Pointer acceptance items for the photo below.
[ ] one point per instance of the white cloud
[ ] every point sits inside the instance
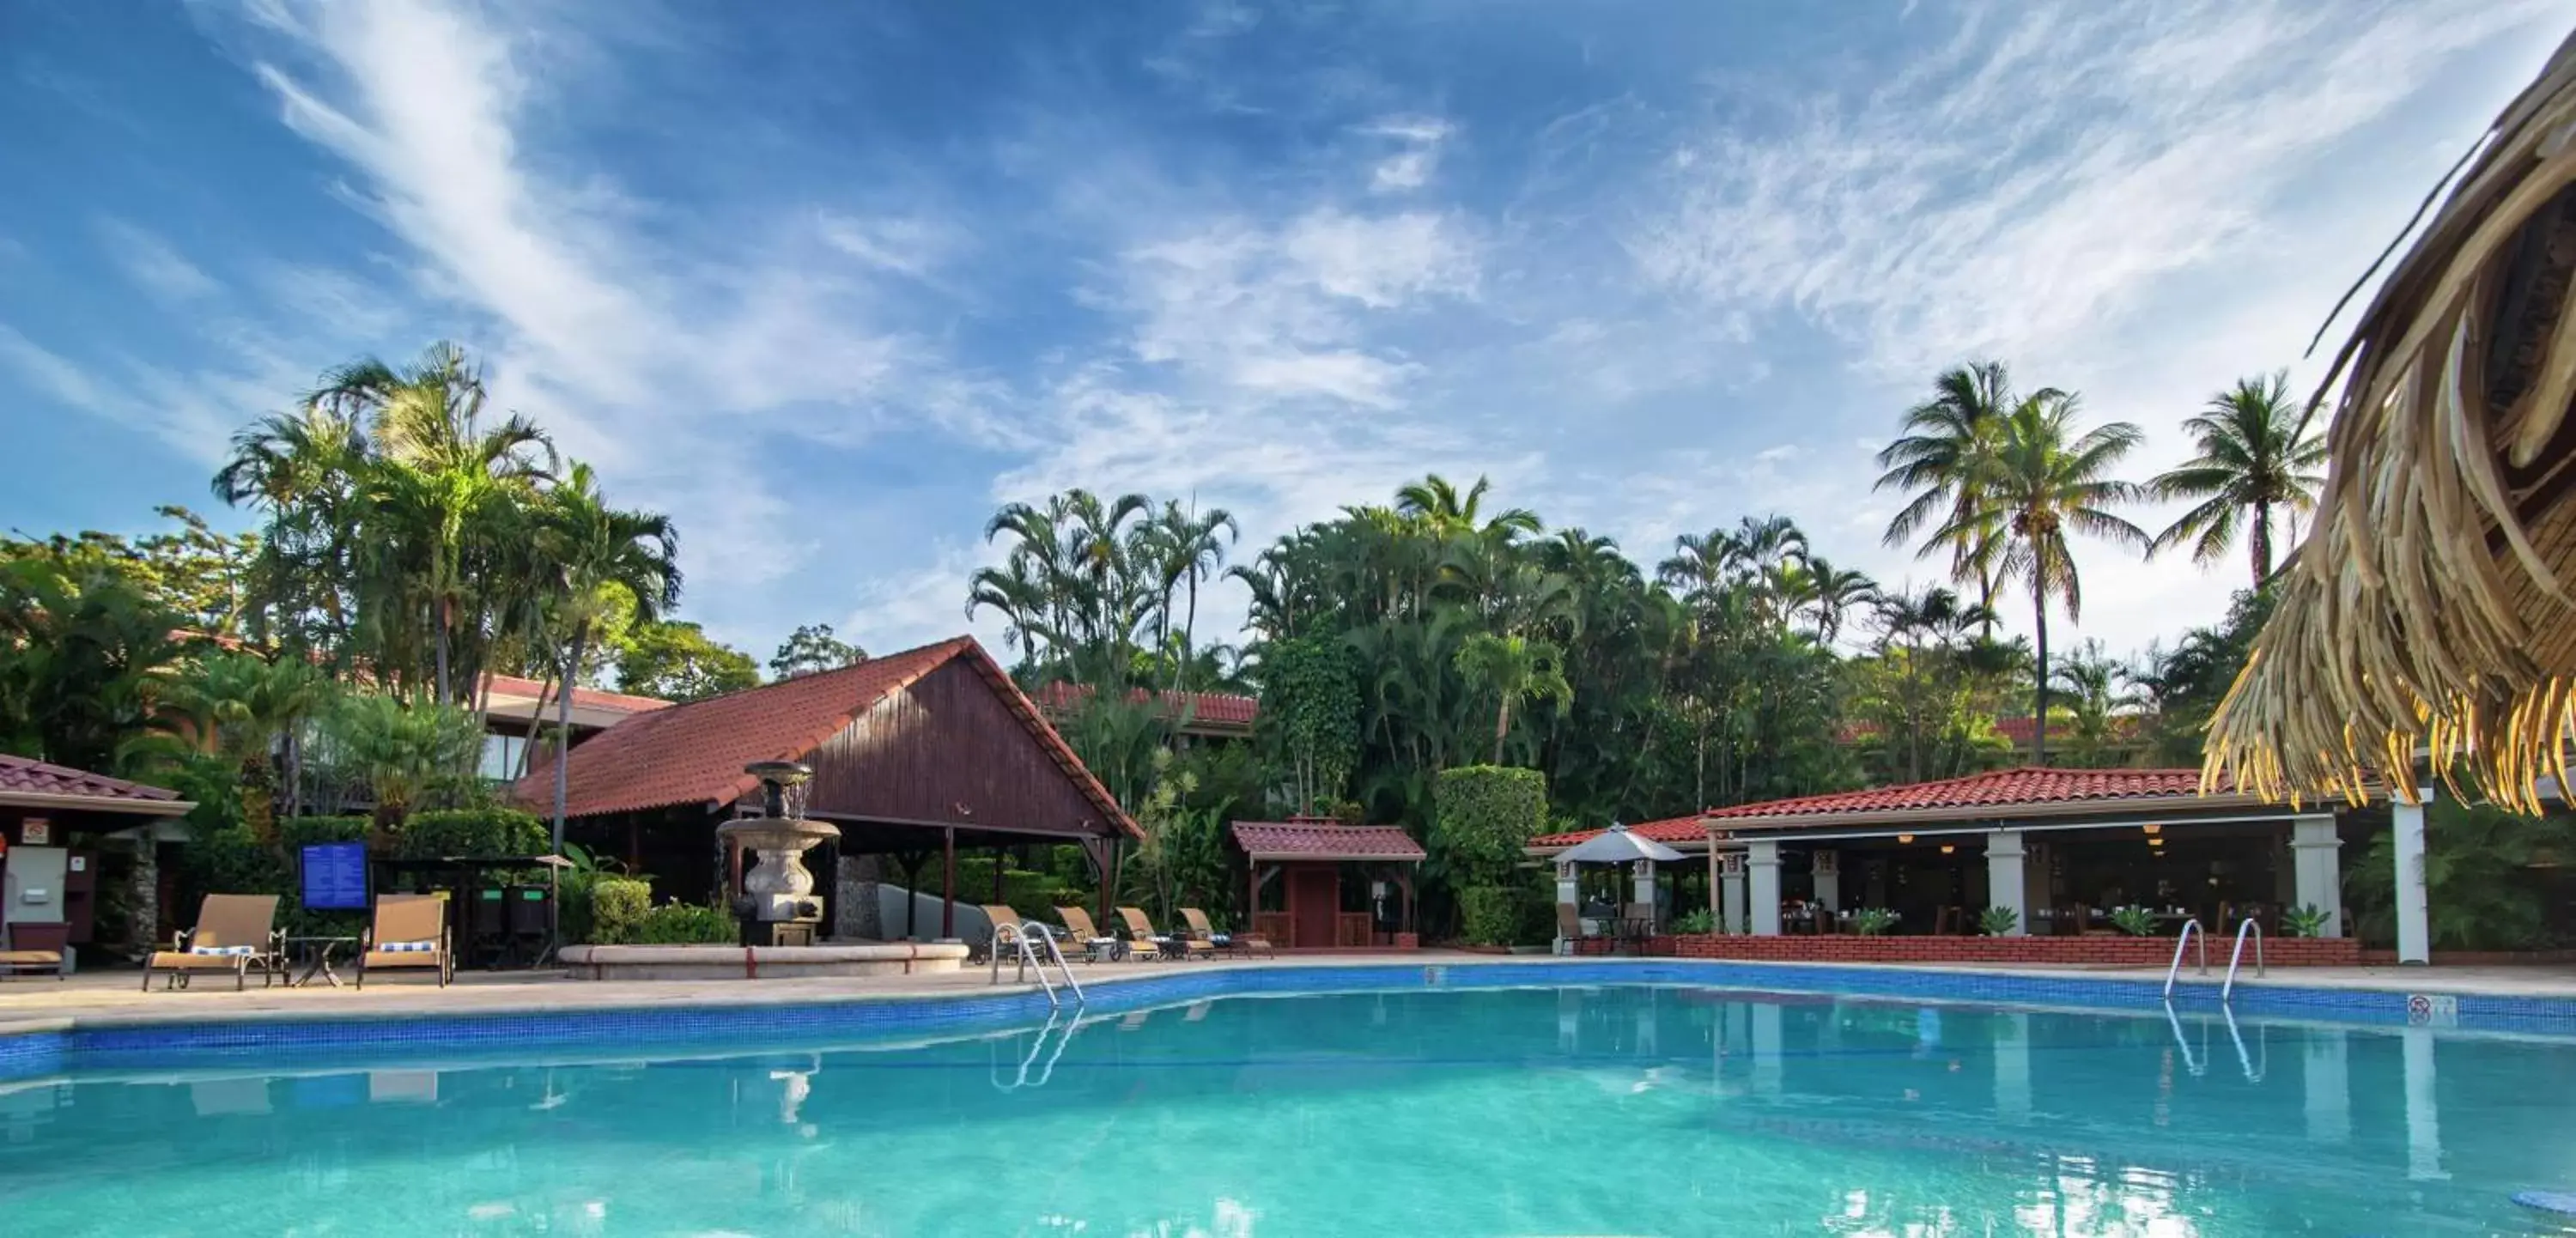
(1417, 140)
(900, 245)
(152, 264)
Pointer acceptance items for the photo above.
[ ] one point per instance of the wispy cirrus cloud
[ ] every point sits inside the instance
(152, 264)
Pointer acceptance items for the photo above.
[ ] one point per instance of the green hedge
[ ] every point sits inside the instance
(472, 832)
(617, 909)
(1027, 892)
(1486, 815)
(230, 860)
(687, 924)
(1490, 915)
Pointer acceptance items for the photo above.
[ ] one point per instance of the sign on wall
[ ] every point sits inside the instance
(36, 832)
(335, 877)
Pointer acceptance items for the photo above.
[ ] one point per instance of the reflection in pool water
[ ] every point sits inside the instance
(1627, 1111)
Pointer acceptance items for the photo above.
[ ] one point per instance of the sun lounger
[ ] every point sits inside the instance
(1080, 930)
(234, 933)
(1200, 930)
(410, 930)
(1141, 930)
(14, 960)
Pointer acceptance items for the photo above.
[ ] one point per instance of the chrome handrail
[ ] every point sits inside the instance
(2236, 956)
(2197, 1065)
(2253, 1073)
(1017, 935)
(2190, 927)
(1047, 935)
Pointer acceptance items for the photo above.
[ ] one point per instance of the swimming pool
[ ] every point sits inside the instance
(1613, 1110)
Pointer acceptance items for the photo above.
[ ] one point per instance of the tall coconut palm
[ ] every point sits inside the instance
(1834, 594)
(598, 552)
(1190, 552)
(1514, 669)
(2043, 480)
(1450, 513)
(2254, 459)
(1936, 460)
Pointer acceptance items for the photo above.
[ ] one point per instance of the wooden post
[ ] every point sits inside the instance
(1405, 880)
(948, 883)
(1109, 879)
(1001, 860)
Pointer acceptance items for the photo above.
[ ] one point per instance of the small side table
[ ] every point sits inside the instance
(317, 957)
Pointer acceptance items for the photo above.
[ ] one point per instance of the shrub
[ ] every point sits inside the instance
(1695, 923)
(1489, 915)
(2306, 920)
(473, 832)
(1486, 815)
(2135, 921)
(687, 924)
(1873, 921)
(617, 909)
(1998, 921)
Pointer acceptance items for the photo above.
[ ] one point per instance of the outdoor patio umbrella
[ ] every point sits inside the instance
(1617, 845)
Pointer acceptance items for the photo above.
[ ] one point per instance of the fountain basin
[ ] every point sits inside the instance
(760, 962)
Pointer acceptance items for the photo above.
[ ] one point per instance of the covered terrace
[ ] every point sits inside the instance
(915, 755)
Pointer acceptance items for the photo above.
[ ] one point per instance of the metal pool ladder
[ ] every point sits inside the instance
(2190, 929)
(2227, 991)
(1030, 959)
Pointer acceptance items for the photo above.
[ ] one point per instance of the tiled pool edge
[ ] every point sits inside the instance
(56, 1046)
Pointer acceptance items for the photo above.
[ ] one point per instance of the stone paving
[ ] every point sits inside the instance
(114, 997)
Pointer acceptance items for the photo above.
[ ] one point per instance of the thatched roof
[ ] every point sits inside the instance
(2431, 606)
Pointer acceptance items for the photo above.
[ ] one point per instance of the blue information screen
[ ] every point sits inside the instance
(335, 877)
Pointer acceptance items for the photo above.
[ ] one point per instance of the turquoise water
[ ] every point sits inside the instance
(1520, 1112)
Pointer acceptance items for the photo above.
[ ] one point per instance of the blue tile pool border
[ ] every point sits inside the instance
(68, 1046)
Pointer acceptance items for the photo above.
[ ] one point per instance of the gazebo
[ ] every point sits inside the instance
(1307, 858)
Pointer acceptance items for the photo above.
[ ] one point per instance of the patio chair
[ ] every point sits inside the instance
(1007, 927)
(1569, 925)
(234, 933)
(14, 960)
(410, 930)
(1239, 944)
(1079, 929)
(1140, 929)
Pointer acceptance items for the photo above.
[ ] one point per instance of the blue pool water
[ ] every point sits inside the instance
(1617, 1111)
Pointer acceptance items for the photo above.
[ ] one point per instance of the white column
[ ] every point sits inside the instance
(2318, 869)
(2414, 927)
(1763, 859)
(1568, 894)
(2423, 1111)
(1731, 893)
(1829, 880)
(2012, 1067)
(1644, 890)
(2004, 876)
(2328, 1080)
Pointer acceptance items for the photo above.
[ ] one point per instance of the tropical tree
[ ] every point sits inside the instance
(84, 662)
(2042, 480)
(1836, 593)
(601, 560)
(1939, 460)
(1184, 542)
(678, 661)
(2253, 459)
(1512, 669)
(810, 648)
(248, 710)
(2094, 687)
(407, 755)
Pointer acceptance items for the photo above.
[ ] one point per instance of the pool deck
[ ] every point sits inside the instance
(115, 997)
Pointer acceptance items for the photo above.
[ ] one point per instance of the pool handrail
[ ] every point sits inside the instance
(2190, 928)
(2227, 991)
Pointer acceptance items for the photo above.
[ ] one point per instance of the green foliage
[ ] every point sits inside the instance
(617, 909)
(1513, 669)
(471, 832)
(2480, 878)
(1489, 915)
(1310, 712)
(1696, 922)
(2134, 921)
(1998, 921)
(810, 648)
(678, 662)
(687, 924)
(407, 754)
(223, 856)
(82, 652)
(1181, 861)
(1873, 921)
(2305, 920)
(193, 572)
(1487, 815)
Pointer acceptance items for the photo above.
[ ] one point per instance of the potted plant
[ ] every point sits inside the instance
(1698, 923)
(2306, 920)
(1873, 921)
(1998, 921)
(2135, 921)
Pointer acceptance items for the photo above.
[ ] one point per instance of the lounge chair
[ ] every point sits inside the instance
(410, 930)
(1007, 924)
(1081, 931)
(1241, 944)
(1141, 930)
(14, 960)
(234, 933)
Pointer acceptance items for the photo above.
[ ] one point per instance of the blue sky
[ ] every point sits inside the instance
(829, 282)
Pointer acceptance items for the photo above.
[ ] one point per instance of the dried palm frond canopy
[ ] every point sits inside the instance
(2431, 606)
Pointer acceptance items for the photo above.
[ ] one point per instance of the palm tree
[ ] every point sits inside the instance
(1514, 669)
(2092, 684)
(2253, 458)
(1836, 593)
(598, 553)
(1187, 542)
(241, 705)
(1937, 458)
(1439, 505)
(2042, 480)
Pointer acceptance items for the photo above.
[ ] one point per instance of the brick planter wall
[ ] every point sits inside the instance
(2062, 951)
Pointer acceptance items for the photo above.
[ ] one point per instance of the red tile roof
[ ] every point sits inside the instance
(1216, 709)
(694, 752)
(582, 698)
(20, 776)
(1324, 840)
(1670, 830)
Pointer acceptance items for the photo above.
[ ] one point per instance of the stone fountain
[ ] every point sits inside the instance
(776, 903)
